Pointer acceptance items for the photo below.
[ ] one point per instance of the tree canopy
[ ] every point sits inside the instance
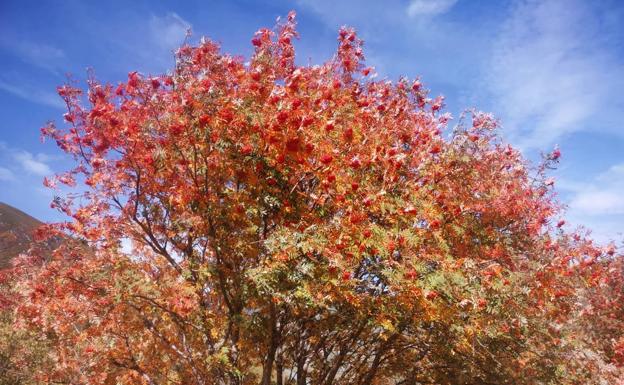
(264, 222)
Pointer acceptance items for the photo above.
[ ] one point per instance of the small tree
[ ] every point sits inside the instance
(301, 225)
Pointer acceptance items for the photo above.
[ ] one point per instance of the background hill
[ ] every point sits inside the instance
(16, 232)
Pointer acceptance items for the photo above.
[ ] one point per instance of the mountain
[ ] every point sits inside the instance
(16, 232)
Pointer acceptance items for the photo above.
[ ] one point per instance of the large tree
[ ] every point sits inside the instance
(263, 222)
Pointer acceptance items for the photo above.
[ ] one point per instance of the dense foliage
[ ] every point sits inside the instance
(265, 223)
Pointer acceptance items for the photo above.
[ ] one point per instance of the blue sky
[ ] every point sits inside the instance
(552, 71)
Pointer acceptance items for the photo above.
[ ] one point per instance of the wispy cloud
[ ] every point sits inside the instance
(601, 196)
(16, 161)
(429, 7)
(553, 71)
(34, 164)
(41, 55)
(21, 179)
(598, 203)
(413, 38)
(369, 15)
(168, 31)
(151, 49)
(6, 174)
(32, 93)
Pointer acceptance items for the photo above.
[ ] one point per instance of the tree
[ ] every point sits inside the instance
(301, 225)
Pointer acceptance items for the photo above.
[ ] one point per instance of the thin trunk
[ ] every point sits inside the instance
(301, 374)
(267, 367)
(279, 370)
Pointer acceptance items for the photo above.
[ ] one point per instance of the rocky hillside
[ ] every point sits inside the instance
(16, 232)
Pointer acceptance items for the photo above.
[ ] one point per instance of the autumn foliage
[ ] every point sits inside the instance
(263, 222)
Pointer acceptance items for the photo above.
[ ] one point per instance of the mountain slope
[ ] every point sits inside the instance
(16, 232)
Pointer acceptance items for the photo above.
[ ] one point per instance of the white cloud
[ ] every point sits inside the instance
(429, 7)
(601, 196)
(36, 52)
(552, 72)
(6, 174)
(151, 42)
(598, 203)
(168, 31)
(354, 12)
(41, 55)
(34, 164)
(32, 93)
(23, 166)
(443, 50)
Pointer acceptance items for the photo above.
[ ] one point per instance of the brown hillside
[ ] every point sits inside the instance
(16, 232)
